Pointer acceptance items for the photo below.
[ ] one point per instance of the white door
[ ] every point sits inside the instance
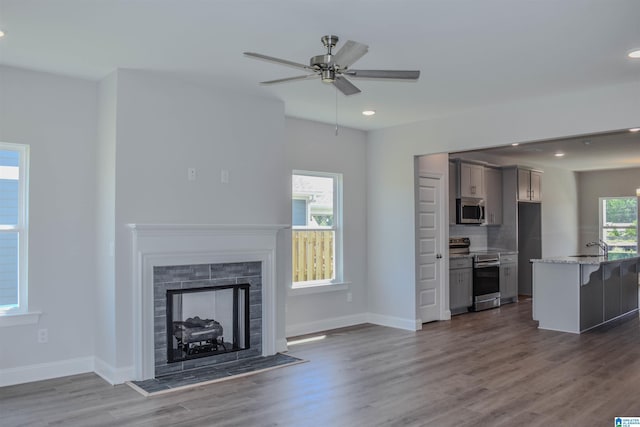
(429, 254)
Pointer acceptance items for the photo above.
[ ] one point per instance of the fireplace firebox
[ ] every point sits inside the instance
(206, 321)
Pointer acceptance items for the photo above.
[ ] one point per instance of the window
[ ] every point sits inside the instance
(13, 227)
(619, 223)
(317, 230)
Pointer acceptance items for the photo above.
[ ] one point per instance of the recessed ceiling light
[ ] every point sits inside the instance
(515, 144)
(634, 130)
(634, 54)
(2, 33)
(368, 113)
(559, 154)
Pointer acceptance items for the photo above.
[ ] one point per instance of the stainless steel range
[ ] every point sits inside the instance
(486, 281)
(486, 274)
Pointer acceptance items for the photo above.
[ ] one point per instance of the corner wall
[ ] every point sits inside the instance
(314, 146)
(57, 117)
(164, 127)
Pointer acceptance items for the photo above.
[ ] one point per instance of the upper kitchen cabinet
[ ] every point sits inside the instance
(493, 193)
(529, 185)
(471, 180)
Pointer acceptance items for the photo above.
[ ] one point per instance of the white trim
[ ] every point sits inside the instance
(338, 220)
(16, 319)
(394, 322)
(325, 324)
(175, 244)
(22, 227)
(318, 288)
(281, 345)
(112, 375)
(45, 371)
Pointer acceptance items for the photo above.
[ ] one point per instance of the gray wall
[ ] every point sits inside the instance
(314, 146)
(57, 117)
(595, 184)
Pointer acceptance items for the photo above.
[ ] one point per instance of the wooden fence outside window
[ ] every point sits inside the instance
(313, 255)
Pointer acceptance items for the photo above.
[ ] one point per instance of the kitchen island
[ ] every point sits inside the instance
(578, 293)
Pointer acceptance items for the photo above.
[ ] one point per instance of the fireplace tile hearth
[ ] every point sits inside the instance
(213, 373)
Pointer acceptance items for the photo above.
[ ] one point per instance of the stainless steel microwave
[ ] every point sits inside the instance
(470, 211)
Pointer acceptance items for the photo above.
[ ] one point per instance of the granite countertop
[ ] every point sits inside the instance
(588, 259)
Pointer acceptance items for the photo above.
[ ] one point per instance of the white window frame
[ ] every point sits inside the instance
(602, 225)
(23, 238)
(337, 227)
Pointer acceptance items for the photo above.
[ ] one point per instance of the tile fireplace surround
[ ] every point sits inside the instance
(175, 245)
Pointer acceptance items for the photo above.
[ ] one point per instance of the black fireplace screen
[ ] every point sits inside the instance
(207, 321)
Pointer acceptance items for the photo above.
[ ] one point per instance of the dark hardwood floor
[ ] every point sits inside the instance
(493, 368)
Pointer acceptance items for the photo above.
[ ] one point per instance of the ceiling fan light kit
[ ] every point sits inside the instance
(332, 68)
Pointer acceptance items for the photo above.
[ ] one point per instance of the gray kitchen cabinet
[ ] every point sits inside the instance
(611, 290)
(460, 284)
(508, 278)
(471, 180)
(529, 185)
(591, 298)
(493, 196)
(628, 286)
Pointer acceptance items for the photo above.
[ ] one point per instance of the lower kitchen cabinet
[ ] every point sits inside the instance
(508, 278)
(460, 284)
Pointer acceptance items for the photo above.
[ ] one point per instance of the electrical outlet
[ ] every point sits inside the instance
(43, 336)
(191, 174)
(349, 297)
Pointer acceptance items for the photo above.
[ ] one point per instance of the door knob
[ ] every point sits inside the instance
(438, 256)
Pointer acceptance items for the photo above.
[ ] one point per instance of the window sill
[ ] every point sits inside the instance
(17, 319)
(318, 288)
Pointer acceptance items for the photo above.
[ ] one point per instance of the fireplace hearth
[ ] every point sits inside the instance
(206, 321)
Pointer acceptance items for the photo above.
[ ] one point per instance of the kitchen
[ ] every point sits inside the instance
(549, 209)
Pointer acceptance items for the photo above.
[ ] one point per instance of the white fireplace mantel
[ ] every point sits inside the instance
(183, 244)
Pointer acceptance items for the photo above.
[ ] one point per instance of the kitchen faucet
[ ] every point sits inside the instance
(602, 245)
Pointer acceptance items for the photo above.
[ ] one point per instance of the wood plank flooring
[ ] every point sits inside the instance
(493, 368)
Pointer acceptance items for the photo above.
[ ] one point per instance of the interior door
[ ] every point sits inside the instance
(429, 252)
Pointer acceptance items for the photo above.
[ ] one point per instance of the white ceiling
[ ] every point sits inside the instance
(611, 150)
(471, 52)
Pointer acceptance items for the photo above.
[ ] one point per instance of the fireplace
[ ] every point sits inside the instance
(206, 314)
(170, 257)
(203, 322)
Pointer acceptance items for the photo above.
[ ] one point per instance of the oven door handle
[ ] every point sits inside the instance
(487, 264)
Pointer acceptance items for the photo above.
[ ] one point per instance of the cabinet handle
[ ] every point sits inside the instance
(532, 194)
(473, 189)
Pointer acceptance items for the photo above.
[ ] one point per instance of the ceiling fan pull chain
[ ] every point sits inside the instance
(336, 111)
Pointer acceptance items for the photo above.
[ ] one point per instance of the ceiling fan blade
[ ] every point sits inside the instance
(278, 60)
(349, 53)
(289, 79)
(345, 86)
(384, 74)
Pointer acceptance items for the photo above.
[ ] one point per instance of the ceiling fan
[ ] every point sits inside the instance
(333, 69)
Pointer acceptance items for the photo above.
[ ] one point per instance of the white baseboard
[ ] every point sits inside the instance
(281, 345)
(393, 322)
(113, 375)
(325, 324)
(46, 371)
